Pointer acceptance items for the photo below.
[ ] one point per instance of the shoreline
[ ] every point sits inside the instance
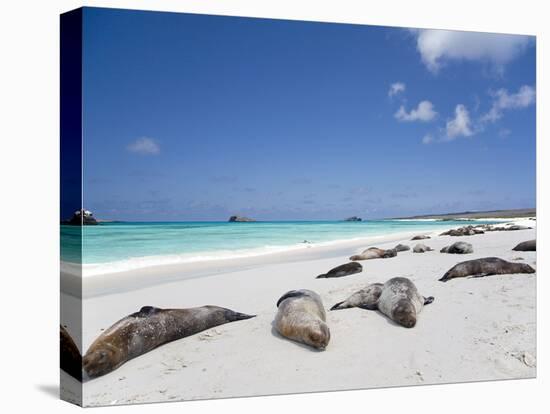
(79, 281)
(138, 263)
(101, 283)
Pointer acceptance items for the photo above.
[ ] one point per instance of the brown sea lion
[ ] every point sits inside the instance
(374, 253)
(458, 248)
(343, 270)
(366, 298)
(69, 355)
(486, 267)
(151, 327)
(401, 302)
(302, 318)
(526, 246)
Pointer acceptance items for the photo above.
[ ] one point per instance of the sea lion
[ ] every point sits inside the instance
(366, 298)
(402, 248)
(517, 227)
(421, 248)
(374, 253)
(302, 318)
(401, 302)
(151, 327)
(69, 355)
(526, 246)
(458, 248)
(464, 231)
(343, 270)
(421, 237)
(485, 267)
(509, 227)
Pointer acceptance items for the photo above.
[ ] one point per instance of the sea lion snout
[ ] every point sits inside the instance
(405, 314)
(319, 336)
(526, 268)
(97, 362)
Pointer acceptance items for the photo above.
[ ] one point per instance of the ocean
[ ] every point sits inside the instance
(131, 245)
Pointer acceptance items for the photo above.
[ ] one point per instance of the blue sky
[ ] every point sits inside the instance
(192, 117)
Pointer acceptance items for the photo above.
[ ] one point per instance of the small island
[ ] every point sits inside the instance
(81, 217)
(354, 218)
(239, 219)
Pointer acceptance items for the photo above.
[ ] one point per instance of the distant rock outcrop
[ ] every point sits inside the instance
(82, 218)
(354, 218)
(239, 219)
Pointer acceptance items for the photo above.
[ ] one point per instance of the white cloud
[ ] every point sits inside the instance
(502, 100)
(424, 112)
(144, 146)
(395, 88)
(460, 125)
(428, 139)
(438, 46)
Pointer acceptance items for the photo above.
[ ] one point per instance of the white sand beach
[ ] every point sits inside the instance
(477, 328)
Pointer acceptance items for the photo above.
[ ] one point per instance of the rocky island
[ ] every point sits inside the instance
(81, 218)
(239, 219)
(354, 218)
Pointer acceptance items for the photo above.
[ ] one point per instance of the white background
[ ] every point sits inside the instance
(29, 194)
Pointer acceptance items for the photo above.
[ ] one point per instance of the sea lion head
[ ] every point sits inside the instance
(98, 362)
(525, 268)
(404, 313)
(389, 253)
(318, 335)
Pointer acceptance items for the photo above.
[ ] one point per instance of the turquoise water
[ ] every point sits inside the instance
(169, 242)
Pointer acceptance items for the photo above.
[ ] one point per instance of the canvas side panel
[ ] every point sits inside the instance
(70, 202)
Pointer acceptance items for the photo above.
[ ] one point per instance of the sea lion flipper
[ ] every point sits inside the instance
(337, 306)
(428, 300)
(370, 306)
(233, 316)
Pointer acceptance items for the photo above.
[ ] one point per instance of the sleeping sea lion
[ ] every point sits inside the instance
(343, 270)
(421, 248)
(401, 302)
(374, 253)
(458, 248)
(486, 267)
(302, 318)
(526, 246)
(366, 298)
(402, 248)
(421, 237)
(151, 327)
